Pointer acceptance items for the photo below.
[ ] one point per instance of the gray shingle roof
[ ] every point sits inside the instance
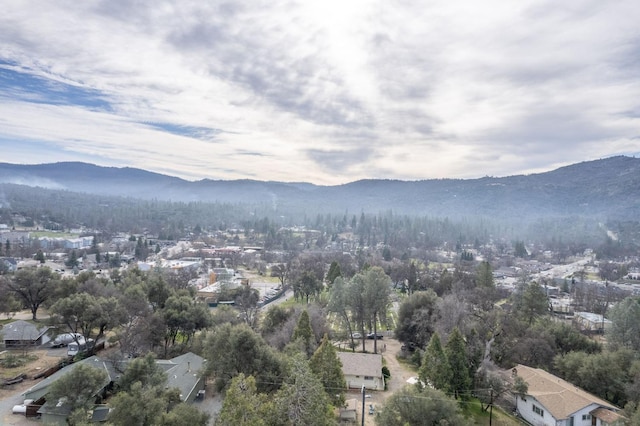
(359, 364)
(23, 330)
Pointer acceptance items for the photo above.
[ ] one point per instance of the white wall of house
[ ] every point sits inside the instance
(526, 410)
(539, 417)
(582, 417)
(356, 382)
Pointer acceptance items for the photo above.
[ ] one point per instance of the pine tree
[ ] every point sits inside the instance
(412, 280)
(72, 262)
(304, 332)
(435, 368)
(334, 272)
(484, 275)
(456, 352)
(302, 400)
(326, 365)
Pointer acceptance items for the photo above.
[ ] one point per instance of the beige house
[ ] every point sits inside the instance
(362, 370)
(551, 401)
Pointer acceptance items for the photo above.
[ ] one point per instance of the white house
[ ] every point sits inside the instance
(551, 401)
(362, 370)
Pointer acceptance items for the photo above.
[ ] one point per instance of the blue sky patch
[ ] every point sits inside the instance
(31, 88)
(196, 132)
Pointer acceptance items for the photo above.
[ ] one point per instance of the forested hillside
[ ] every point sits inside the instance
(602, 189)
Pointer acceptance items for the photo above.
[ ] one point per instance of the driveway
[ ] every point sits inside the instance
(8, 398)
(389, 348)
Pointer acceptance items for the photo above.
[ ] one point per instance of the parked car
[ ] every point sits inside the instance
(411, 347)
(377, 336)
(356, 336)
(65, 338)
(79, 347)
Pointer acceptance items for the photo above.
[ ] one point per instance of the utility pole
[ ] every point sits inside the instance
(363, 396)
(491, 407)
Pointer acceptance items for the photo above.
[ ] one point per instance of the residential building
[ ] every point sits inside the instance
(551, 401)
(184, 373)
(22, 333)
(590, 322)
(362, 370)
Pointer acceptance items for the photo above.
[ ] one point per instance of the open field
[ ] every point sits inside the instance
(52, 234)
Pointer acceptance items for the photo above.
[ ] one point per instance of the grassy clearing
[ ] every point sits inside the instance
(473, 410)
(51, 234)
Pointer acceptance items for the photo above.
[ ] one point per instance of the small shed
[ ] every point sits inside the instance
(21, 333)
(349, 413)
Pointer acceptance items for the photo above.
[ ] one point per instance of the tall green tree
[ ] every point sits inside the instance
(144, 371)
(377, 289)
(412, 280)
(414, 406)
(304, 333)
(86, 314)
(78, 389)
(307, 285)
(8, 302)
(456, 352)
(247, 301)
(358, 303)
(484, 275)
(238, 349)
(520, 249)
(243, 405)
(339, 303)
(417, 317)
(183, 315)
(625, 328)
(326, 365)
(142, 406)
(334, 272)
(435, 369)
(533, 303)
(184, 414)
(33, 287)
(72, 261)
(302, 399)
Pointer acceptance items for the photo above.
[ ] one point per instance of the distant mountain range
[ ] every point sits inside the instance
(607, 189)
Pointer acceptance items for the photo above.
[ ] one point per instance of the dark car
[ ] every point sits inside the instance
(374, 336)
(411, 347)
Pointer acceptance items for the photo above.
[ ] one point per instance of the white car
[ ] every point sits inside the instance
(65, 338)
(356, 336)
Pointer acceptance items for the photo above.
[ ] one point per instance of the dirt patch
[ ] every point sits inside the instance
(42, 360)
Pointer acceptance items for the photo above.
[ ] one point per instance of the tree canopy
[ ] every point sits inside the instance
(414, 406)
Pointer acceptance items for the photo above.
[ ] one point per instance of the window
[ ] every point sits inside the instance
(586, 417)
(539, 411)
(368, 378)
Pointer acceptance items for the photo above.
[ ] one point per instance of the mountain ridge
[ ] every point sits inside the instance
(608, 188)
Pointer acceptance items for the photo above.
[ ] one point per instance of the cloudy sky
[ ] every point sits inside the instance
(320, 91)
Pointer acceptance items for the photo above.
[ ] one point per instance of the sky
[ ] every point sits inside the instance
(327, 92)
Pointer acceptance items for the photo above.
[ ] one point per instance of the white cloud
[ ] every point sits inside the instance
(327, 92)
